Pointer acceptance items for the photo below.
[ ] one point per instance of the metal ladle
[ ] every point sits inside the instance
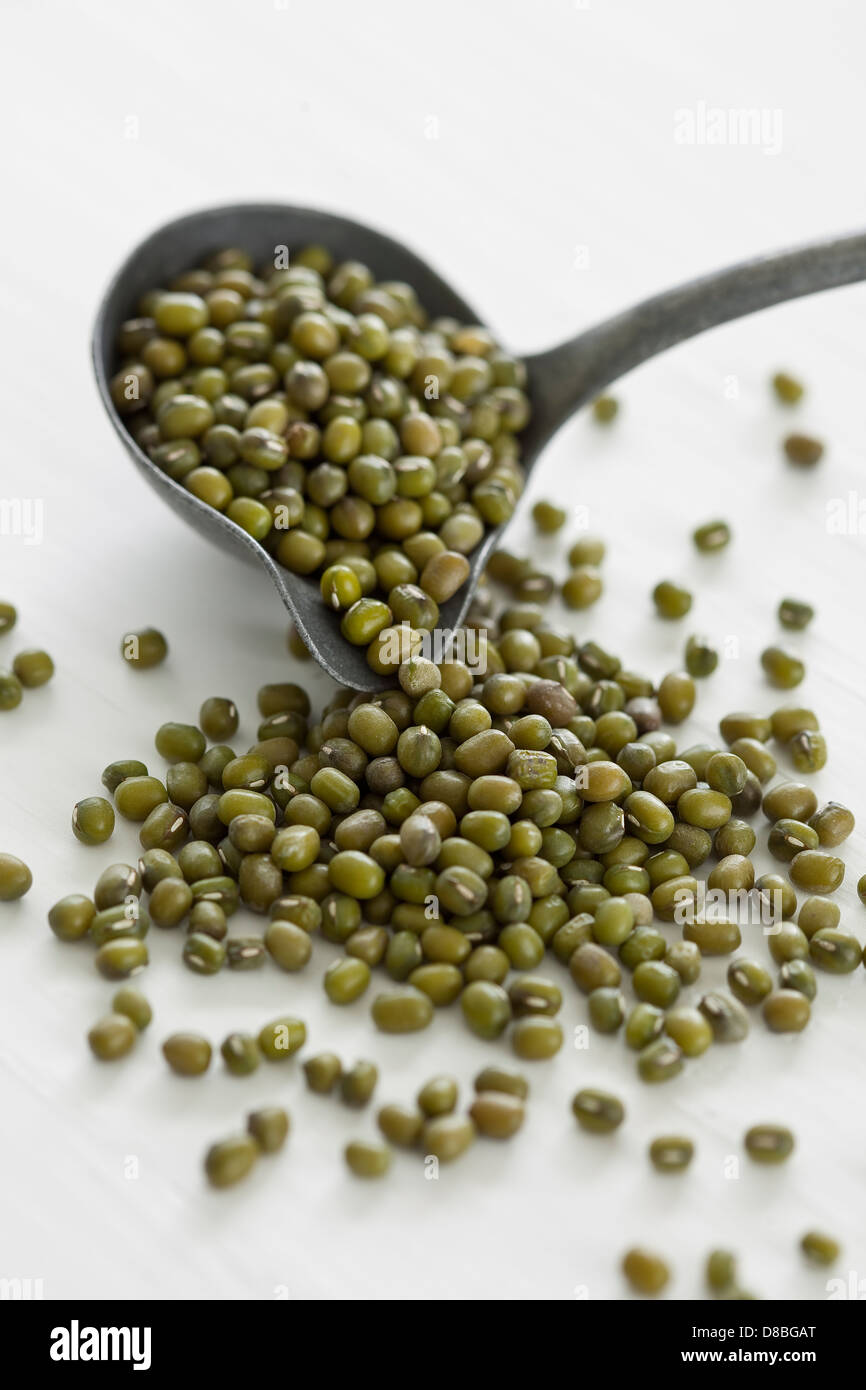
(560, 380)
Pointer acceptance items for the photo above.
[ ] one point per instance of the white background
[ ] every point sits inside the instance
(552, 192)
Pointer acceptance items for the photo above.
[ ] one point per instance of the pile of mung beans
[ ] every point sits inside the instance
(453, 833)
(324, 414)
(482, 836)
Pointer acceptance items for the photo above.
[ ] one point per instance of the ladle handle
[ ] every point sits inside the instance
(565, 377)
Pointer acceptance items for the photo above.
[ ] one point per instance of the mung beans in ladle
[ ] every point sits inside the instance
(325, 414)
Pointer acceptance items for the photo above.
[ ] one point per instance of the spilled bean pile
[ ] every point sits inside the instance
(483, 836)
(324, 414)
(455, 829)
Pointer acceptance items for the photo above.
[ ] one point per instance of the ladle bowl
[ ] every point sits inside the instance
(560, 379)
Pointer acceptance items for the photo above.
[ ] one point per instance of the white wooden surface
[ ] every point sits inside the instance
(530, 151)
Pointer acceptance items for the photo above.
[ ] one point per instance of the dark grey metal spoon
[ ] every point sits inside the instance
(561, 379)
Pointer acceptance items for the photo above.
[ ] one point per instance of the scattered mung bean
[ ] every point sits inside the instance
(768, 1143)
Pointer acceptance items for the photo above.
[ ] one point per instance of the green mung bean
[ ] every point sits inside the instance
(654, 982)
(721, 1270)
(789, 800)
(816, 871)
(288, 945)
(605, 409)
(245, 952)
(783, 668)
(166, 827)
(358, 1083)
(230, 1160)
(598, 1111)
(401, 1125)
(660, 1060)
(646, 1272)
(671, 1153)
(497, 1115)
(438, 1096)
(749, 981)
(671, 600)
(690, 1030)
(592, 968)
(808, 750)
(402, 1010)
(832, 824)
(92, 820)
(15, 878)
(713, 937)
(536, 1038)
(144, 649)
(685, 958)
(701, 659)
(803, 450)
(117, 772)
(323, 1072)
(70, 918)
(835, 951)
(819, 1248)
(135, 797)
(133, 1004)
(606, 1008)
(447, 1137)
(787, 388)
(346, 980)
(33, 668)
(643, 1025)
(188, 1054)
(203, 953)
(711, 536)
(127, 919)
(269, 1127)
(112, 1037)
(799, 975)
(498, 1078)
(366, 1159)
(121, 957)
(11, 690)
(170, 901)
(786, 1011)
(788, 942)
(794, 614)
(281, 1038)
(583, 587)
(547, 516)
(676, 696)
(726, 1016)
(768, 1143)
